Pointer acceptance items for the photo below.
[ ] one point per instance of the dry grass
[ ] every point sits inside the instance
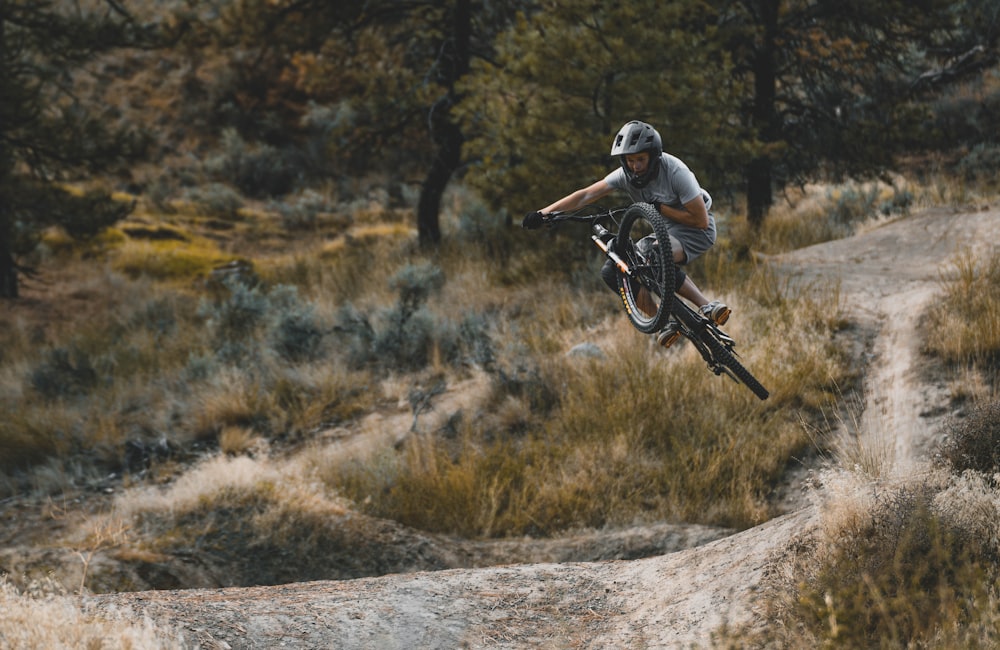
(169, 260)
(903, 565)
(219, 478)
(42, 618)
(964, 328)
(634, 434)
(262, 522)
(815, 213)
(108, 361)
(819, 212)
(200, 367)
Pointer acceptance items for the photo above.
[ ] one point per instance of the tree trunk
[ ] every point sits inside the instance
(446, 161)
(8, 271)
(759, 197)
(759, 171)
(447, 136)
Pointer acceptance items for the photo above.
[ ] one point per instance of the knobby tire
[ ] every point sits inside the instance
(723, 356)
(656, 274)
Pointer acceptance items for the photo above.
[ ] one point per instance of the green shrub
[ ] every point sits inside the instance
(406, 339)
(415, 284)
(303, 212)
(355, 335)
(258, 171)
(216, 200)
(475, 345)
(407, 335)
(246, 320)
(851, 204)
(981, 163)
(238, 313)
(64, 372)
(489, 232)
(298, 336)
(158, 316)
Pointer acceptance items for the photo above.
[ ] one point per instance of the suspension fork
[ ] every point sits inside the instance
(600, 233)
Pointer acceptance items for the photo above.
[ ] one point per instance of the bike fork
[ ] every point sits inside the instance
(603, 241)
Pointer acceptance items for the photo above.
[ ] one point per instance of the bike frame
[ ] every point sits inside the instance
(715, 346)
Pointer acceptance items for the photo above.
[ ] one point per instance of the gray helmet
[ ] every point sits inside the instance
(636, 137)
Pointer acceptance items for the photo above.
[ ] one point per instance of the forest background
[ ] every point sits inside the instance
(516, 99)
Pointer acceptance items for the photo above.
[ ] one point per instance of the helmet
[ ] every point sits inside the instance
(636, 137)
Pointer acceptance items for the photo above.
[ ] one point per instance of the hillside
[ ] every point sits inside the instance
(888, 274)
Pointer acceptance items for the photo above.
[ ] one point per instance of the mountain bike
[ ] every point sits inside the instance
(636, 239)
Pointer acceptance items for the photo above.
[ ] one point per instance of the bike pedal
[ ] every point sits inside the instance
(667, 338)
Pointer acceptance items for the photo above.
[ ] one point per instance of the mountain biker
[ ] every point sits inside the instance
(648, 174)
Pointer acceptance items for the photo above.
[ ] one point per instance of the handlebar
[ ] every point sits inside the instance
(587, 214)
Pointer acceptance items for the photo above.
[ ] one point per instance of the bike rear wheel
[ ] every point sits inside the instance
(647, 292)
(733, 367)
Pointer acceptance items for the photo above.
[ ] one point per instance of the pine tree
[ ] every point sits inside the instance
(542, 114)
(830, 82)
(381, 76)
(46, 132)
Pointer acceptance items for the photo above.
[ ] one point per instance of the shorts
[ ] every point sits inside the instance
(694, 241)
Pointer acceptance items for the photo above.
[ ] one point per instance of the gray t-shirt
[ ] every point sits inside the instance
(674, 185)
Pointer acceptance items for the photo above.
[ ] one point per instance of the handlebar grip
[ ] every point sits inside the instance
(533, 220)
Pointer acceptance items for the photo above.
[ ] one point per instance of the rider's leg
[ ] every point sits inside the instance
(689, 290)
(609, 273)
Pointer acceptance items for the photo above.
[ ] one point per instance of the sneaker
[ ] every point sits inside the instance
(669, 334)
(716, 312)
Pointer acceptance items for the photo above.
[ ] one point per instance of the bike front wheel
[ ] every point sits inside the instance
(647, 289)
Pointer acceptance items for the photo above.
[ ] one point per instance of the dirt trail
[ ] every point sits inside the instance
(888, 277)
(887, 274)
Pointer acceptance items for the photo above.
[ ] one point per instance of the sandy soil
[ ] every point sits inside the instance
(887, 274)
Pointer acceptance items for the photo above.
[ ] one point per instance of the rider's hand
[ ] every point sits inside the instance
(533, 220)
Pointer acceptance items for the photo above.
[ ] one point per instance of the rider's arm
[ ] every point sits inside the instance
(694, 213)
(583, 197)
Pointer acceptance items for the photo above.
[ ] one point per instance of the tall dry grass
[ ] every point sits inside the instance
(42, 618)
(633, 434)
(964, 327)
(904, 564)
(148, 364)
(819, 212)
(304, 348)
